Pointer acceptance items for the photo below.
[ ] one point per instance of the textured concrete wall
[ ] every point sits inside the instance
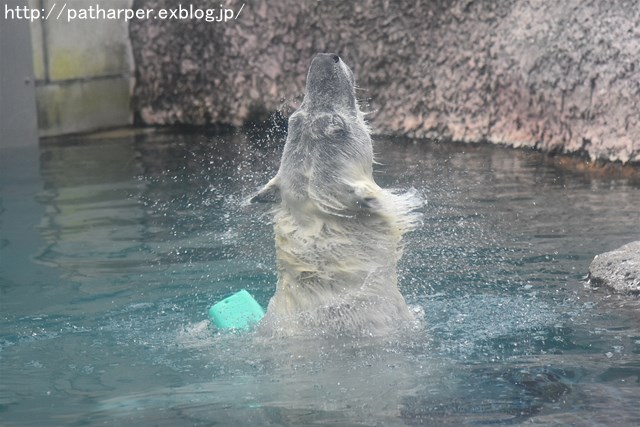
(558, 76)
(83, 69)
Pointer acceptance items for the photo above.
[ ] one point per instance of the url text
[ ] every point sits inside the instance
(63, 12)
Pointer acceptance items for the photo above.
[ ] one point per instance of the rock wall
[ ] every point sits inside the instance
(556, 76)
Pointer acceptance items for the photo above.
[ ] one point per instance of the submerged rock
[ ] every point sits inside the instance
(618, 269)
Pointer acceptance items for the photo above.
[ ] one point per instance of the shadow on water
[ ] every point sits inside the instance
(137, 235)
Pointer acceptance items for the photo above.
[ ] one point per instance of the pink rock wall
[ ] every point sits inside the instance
(563, 77)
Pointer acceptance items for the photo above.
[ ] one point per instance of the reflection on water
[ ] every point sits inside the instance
(136, 236)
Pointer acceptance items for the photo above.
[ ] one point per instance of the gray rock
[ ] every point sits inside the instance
(562, 77)
(618, 269)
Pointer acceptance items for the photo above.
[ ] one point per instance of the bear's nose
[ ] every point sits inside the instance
(335, 58)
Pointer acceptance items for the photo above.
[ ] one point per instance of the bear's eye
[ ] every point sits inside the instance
(336, 58)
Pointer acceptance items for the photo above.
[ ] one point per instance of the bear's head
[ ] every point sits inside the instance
(330, 85)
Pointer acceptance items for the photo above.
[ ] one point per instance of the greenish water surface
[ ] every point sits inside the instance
(112, 250)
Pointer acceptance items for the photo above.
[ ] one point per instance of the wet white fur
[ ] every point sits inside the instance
(338, 234)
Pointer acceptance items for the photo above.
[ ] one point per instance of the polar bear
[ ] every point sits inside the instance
(338, 234)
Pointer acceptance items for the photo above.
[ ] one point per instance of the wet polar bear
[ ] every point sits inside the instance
(338, 234)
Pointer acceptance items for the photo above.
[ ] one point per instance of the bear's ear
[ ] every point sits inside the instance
(337, 126)
(270, 193)
(329, 125)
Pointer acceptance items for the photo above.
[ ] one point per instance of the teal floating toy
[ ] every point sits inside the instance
(239, 311)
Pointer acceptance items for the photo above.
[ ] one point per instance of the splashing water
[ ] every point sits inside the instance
(129, 240)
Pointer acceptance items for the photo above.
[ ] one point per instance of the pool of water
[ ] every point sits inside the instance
(113, 249)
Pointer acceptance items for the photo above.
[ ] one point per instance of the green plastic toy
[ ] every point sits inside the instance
(239, 311)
